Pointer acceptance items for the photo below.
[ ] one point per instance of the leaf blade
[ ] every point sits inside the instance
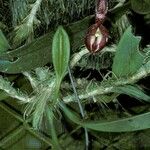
(128, 124)
(127, 59)
(4, 45)
(60, 52)
(133, 91)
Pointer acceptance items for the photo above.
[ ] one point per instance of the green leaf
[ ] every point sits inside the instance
(69, 113)
(135, 123)
(22, 32)
(129, 124)
(128, 59)
(4, 45)
(38, 53)
(60, 52)
(133, 91)
(141, 6)
(147, 18)
(50, 117)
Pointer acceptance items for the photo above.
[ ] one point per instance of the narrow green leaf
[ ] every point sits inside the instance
(133, 91)
(135, 123)
(50, 117)
(129, 124)
(60, 52)
(141, 6)
(4, 46)
(69, 113)
(128, 59)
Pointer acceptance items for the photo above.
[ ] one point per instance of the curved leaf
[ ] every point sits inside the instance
(141, 6)
(133, 91)
(135, 123)
(127, 59)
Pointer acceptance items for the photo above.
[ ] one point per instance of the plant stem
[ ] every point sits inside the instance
(12, 92)
(80, 107)
(144, 71)
(33, 12)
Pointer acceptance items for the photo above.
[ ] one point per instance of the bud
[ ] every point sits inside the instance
(101, 10)
(96, 38)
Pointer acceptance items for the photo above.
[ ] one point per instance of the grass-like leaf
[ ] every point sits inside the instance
(50, 117)
(129, 124)
(135, 123)
(133, 91)
(128, 59)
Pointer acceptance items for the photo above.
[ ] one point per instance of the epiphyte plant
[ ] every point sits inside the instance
(97, 35)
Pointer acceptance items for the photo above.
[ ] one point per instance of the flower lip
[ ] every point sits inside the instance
(96, 38)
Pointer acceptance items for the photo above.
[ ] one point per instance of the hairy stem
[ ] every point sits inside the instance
(33, 12)
(143, 72)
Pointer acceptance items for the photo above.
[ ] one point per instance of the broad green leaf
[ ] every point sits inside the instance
(4, 46)
(141, 6)
(38, 53)
(135, 123)
(60, 52)
(127, 59)
(133, 91)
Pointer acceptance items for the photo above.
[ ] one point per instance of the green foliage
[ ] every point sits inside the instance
(22, 33)
(19, 9)
(38, 52)
(99, 79)
(141, 7)
(133, 91)
(123, 125)
(60, 58)
(128, 124)
(4, 45)
(60, 53)
(51, 118)
(128, 59)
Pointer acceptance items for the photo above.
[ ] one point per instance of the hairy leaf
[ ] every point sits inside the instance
(128, 59)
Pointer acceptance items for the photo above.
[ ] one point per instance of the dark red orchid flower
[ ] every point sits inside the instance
(96, 38)
(97, 35)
